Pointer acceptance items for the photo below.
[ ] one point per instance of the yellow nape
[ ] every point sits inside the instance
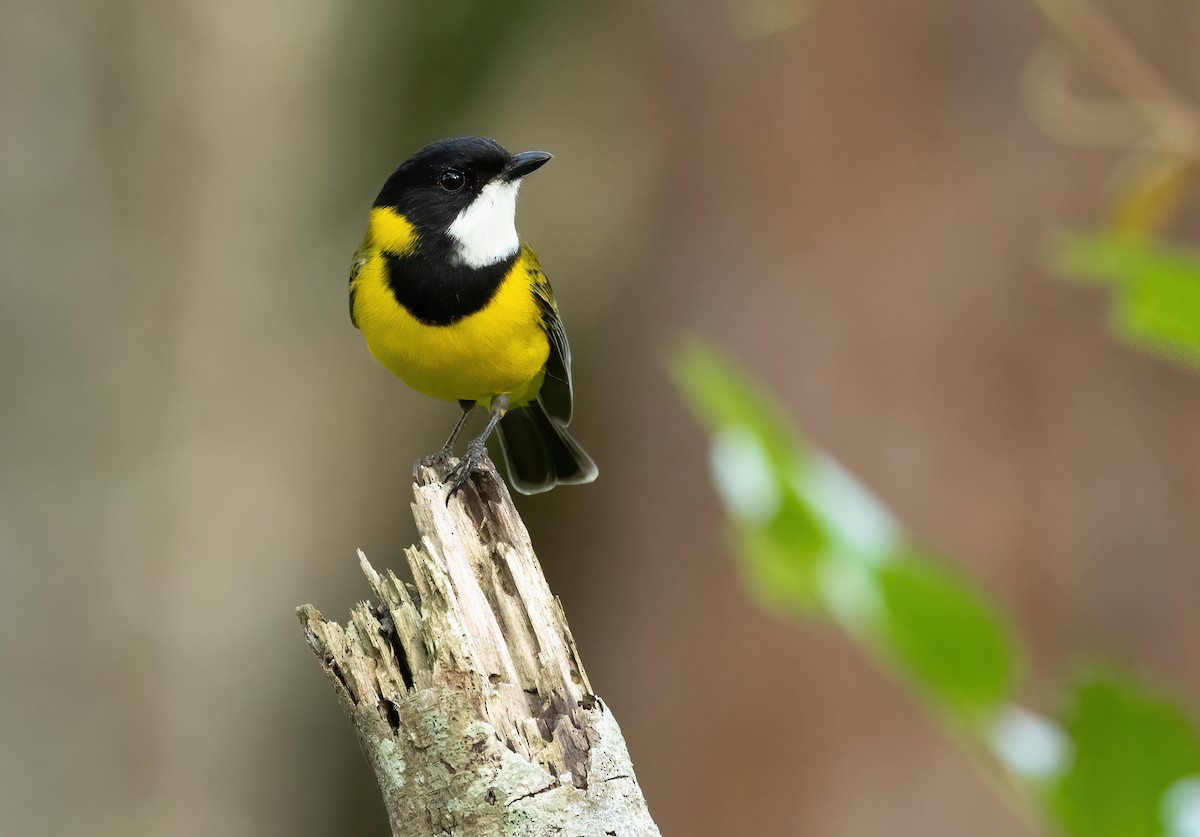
(391, 232)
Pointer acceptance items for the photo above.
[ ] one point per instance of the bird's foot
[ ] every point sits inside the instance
(471, 460)
(435, 462)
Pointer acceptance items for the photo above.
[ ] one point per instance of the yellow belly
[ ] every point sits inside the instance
(501, 349)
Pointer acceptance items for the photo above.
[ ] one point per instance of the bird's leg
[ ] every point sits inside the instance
(439, 458)
(477, 447)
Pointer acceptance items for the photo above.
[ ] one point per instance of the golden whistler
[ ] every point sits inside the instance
(454, 304)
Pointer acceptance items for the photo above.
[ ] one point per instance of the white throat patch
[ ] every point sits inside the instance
(486, 231)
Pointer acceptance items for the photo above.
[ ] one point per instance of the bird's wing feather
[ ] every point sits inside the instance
(556, 388)
(356, 265)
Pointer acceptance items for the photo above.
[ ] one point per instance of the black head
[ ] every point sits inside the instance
(436, 185)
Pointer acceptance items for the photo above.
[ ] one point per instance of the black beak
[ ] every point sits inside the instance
(519, 165)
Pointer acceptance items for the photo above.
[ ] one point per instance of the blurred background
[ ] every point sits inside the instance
(852, 198)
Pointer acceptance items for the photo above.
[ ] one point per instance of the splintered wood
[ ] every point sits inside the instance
(467, 691)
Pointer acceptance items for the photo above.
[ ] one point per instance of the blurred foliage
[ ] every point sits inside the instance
(1130, 749)
(429, 67)
(1156, 290)
(445, 52)
(1149, 189)
(946, 637)
(1157, 287)
(812, 539)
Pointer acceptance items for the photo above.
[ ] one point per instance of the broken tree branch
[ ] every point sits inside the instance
(467, 691)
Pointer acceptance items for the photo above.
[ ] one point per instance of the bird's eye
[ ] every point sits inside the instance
(452, 180)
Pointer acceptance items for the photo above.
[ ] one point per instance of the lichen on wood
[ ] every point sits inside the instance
(466, 688)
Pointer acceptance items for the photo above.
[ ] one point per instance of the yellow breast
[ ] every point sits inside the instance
(500, 349)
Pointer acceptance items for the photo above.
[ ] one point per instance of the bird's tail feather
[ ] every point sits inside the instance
(540, 453)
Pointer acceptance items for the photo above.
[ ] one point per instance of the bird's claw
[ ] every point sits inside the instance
(434, 462)
(472, 459)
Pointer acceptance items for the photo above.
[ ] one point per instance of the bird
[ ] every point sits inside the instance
(452, 302)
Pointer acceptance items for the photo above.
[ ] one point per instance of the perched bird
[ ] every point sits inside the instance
(454, 304)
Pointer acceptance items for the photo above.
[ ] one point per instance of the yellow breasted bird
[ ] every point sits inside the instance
(454, 304)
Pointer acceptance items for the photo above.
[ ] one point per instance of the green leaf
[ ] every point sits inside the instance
(1157, 308)
(946, 637)
(781, 558)
(723, 398)
(1130, 747)
(1160, 314)
(754, 455)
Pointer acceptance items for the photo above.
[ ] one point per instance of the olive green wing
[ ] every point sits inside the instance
(356, 265)
(556, 387)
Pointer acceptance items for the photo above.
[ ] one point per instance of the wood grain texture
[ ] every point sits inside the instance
(466, 688)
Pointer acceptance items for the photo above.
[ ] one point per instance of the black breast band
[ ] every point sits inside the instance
(440, 294)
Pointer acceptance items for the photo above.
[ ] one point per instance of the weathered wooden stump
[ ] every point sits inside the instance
(467, 691)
